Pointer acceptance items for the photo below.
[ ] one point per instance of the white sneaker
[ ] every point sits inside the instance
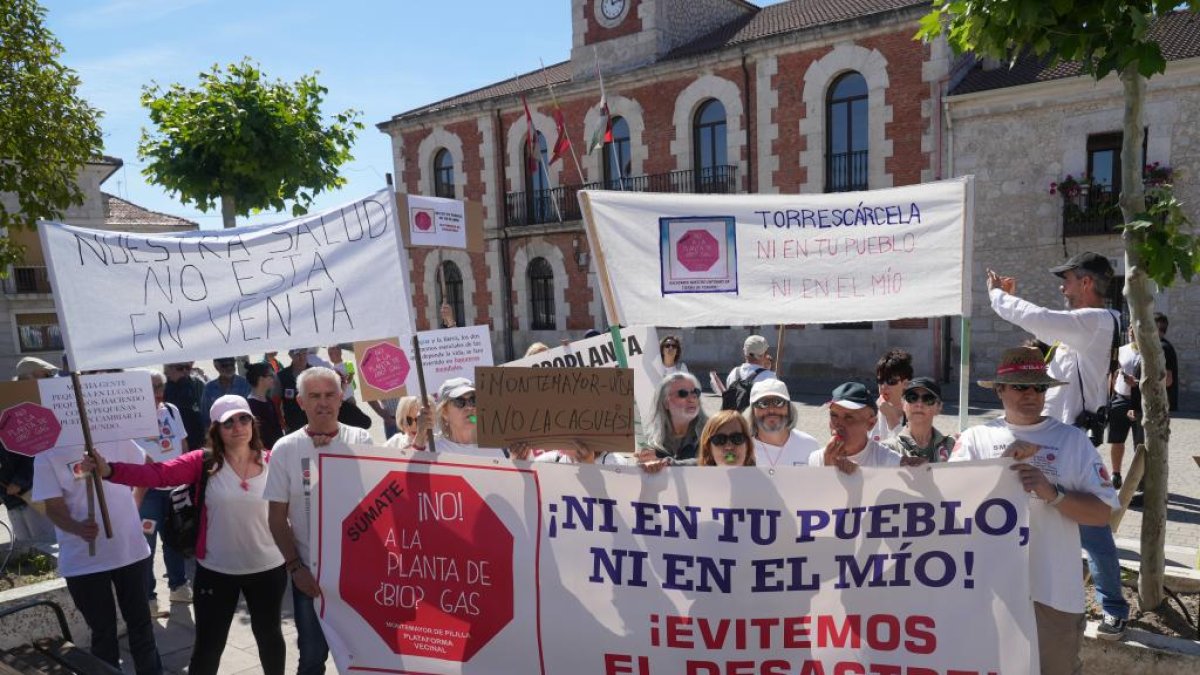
(182, 594)
(157, 611)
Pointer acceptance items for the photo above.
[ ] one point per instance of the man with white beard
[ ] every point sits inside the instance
(773, 421)
(673, 434)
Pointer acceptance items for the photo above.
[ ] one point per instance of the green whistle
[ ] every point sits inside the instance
(472, 418)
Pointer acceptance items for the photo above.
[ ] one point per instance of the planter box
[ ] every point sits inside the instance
(1140, 652)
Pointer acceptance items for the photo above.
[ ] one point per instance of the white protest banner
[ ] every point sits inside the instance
(436, 222)
(386, 367)
(641, 351)
(750, 259)
(128, 299)
(447, 564)
(36, 415)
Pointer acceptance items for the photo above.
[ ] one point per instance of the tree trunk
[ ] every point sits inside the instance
(1139, 291)
(228, 211)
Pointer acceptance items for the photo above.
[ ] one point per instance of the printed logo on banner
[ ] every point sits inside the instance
(422, 219)
(28, 428)
(698, 254)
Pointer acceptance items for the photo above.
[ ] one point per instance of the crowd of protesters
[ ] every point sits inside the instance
(248, 444)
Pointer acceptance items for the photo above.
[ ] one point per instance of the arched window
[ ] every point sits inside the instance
(537, 184)
(541, 295)
(708, 148)
(846, 134)
(616, 155)
(443, 174)
(452, 282)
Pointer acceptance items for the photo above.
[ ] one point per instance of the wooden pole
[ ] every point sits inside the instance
(779, 352)
(95, 482)
(416, 347)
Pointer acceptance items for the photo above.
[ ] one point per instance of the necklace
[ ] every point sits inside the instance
(767, 453)
(243, 476)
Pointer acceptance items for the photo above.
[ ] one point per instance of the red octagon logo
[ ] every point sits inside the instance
(697, 250)
(428, 564)
(423, 221)
(28, 428)
(384, 366)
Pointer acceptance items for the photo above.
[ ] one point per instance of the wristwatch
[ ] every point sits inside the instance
(1061, 495)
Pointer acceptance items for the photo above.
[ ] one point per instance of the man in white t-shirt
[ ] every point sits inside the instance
(119, 563)
(1068, 486)
(757, 362)
(773, 424)
(851, 417)
(290, 492)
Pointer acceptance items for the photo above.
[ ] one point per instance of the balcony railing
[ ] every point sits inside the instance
(846, 171)
(532, 208)
(1093, 209)
(27, 280)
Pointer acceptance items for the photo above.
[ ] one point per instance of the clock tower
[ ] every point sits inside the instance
(625, 34)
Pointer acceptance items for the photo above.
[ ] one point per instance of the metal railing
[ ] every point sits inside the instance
(1091, 209)
(846, 171)
(27, 280)
(532, 208)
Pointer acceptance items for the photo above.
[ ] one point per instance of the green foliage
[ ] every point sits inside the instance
(237, 135)
(1164, 238)
(1105, 36)
(47, 133)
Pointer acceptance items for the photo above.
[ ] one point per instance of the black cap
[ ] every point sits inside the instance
(1092, 262)
(853, 395)
(924, 383)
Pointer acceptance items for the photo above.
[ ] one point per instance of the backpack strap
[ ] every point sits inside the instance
(752, 376)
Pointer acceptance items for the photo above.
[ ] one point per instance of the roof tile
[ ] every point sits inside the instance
(125, 215)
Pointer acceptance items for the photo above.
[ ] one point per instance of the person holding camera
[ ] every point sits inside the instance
(1082, 341)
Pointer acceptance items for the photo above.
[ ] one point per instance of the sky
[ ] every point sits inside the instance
(382, 58)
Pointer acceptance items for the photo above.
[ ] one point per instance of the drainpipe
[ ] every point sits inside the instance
(501, 214)
(947, 157)
(750, 175)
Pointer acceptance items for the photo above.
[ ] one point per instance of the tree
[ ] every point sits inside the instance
(252, 144)
(1106, 36)
(47, 133)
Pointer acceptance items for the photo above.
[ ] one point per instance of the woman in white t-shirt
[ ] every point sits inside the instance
(456, 420)
(670, 350)
(235, 554)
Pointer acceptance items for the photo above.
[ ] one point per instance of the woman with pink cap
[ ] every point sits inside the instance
(235, 554)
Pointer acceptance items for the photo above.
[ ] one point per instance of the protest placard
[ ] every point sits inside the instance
(469, 567)
(437, 222)
(150, 298)
(387, 369)
(641, 354)
(709, 260)
(545, 406)
(39, 414)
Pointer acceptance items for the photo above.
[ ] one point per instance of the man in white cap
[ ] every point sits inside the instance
(1069, 485)
(773, 423)
(289, 491)
(851, 418)
(758, 364)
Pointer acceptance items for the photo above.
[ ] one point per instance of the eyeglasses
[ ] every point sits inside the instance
(736, 438)
(409, 421)
(670, 346)
(684, 393)
(463, 402)
(927, 399)
(766, 403)
(891, 382)
(238, 419)
(1039, 388)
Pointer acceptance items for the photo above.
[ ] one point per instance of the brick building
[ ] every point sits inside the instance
(707, 96)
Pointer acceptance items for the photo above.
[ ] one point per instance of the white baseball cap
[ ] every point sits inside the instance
(769, 387)
(227, 406)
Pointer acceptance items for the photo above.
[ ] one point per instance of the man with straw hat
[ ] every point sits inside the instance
(1068, 486)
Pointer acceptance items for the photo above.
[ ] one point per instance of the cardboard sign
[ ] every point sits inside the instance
(445, 353)
(555, 405)
(120, 406)
(435, 222)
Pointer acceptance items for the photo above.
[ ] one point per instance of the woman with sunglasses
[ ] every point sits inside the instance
(235, 554)
(671, 352)
(919, 438)
(726, 441)
(456, 422)
(673, 434)
(409, 417)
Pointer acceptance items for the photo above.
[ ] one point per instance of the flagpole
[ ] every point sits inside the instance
(535, 147)
(570, 143)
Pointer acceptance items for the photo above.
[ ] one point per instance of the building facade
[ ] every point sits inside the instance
(712, 96)
(28, 323)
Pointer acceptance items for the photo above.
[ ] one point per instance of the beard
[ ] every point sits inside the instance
(773, 423)
(681, 416)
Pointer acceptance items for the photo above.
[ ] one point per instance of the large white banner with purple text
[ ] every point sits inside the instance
(446, 564)
(752, 259)
(128, 299)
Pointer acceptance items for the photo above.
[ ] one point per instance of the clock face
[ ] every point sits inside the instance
(611, 12)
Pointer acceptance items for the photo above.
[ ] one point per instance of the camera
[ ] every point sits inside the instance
(1094, 423)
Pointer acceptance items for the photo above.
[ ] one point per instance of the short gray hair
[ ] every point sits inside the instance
(317, 373)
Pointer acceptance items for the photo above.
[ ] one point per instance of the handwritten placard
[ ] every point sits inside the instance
(555, 405)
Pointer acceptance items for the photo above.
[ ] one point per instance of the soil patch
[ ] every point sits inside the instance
(27, 568)
(1170, 619)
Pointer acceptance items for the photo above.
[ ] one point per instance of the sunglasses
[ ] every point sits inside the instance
(766, 403)
(237, 419)
(927, 399)
(463, 402)
(891, 382)
(1039, 388)
(670, 346)
(684, 393)
(409, 421)
(736, 438)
